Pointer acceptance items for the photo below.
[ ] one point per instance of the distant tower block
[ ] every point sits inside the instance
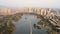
(4, 10)
(33, 10)
(45, 12)
(9, 11)
(38, 11)
(50, 9)
(49, 12)
(30, 10)
(25, 10)
(42, 11)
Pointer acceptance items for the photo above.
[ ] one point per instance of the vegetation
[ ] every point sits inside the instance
(45, 22)
(6, 25)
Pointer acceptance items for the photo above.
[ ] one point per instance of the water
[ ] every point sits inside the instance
(23, 25)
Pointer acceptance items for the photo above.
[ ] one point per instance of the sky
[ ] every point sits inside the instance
(31, 3)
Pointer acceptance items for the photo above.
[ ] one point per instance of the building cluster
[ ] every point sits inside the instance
(41, 11)
(46, 12)
(5, 11)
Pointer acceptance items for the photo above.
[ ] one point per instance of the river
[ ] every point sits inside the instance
(24, 25)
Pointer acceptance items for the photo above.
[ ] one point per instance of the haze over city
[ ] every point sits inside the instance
(31, 3)
(29, 16)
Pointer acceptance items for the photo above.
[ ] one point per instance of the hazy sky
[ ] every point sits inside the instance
(31, 3)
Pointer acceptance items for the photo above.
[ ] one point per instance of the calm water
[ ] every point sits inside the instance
(24, 24)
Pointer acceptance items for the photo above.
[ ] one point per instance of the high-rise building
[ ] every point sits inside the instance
(42, 11)
(38, 11)
(9, 11)
(45, 12)
(4, 11)
(30, 9)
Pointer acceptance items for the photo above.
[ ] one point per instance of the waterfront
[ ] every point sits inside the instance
(24, 24)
